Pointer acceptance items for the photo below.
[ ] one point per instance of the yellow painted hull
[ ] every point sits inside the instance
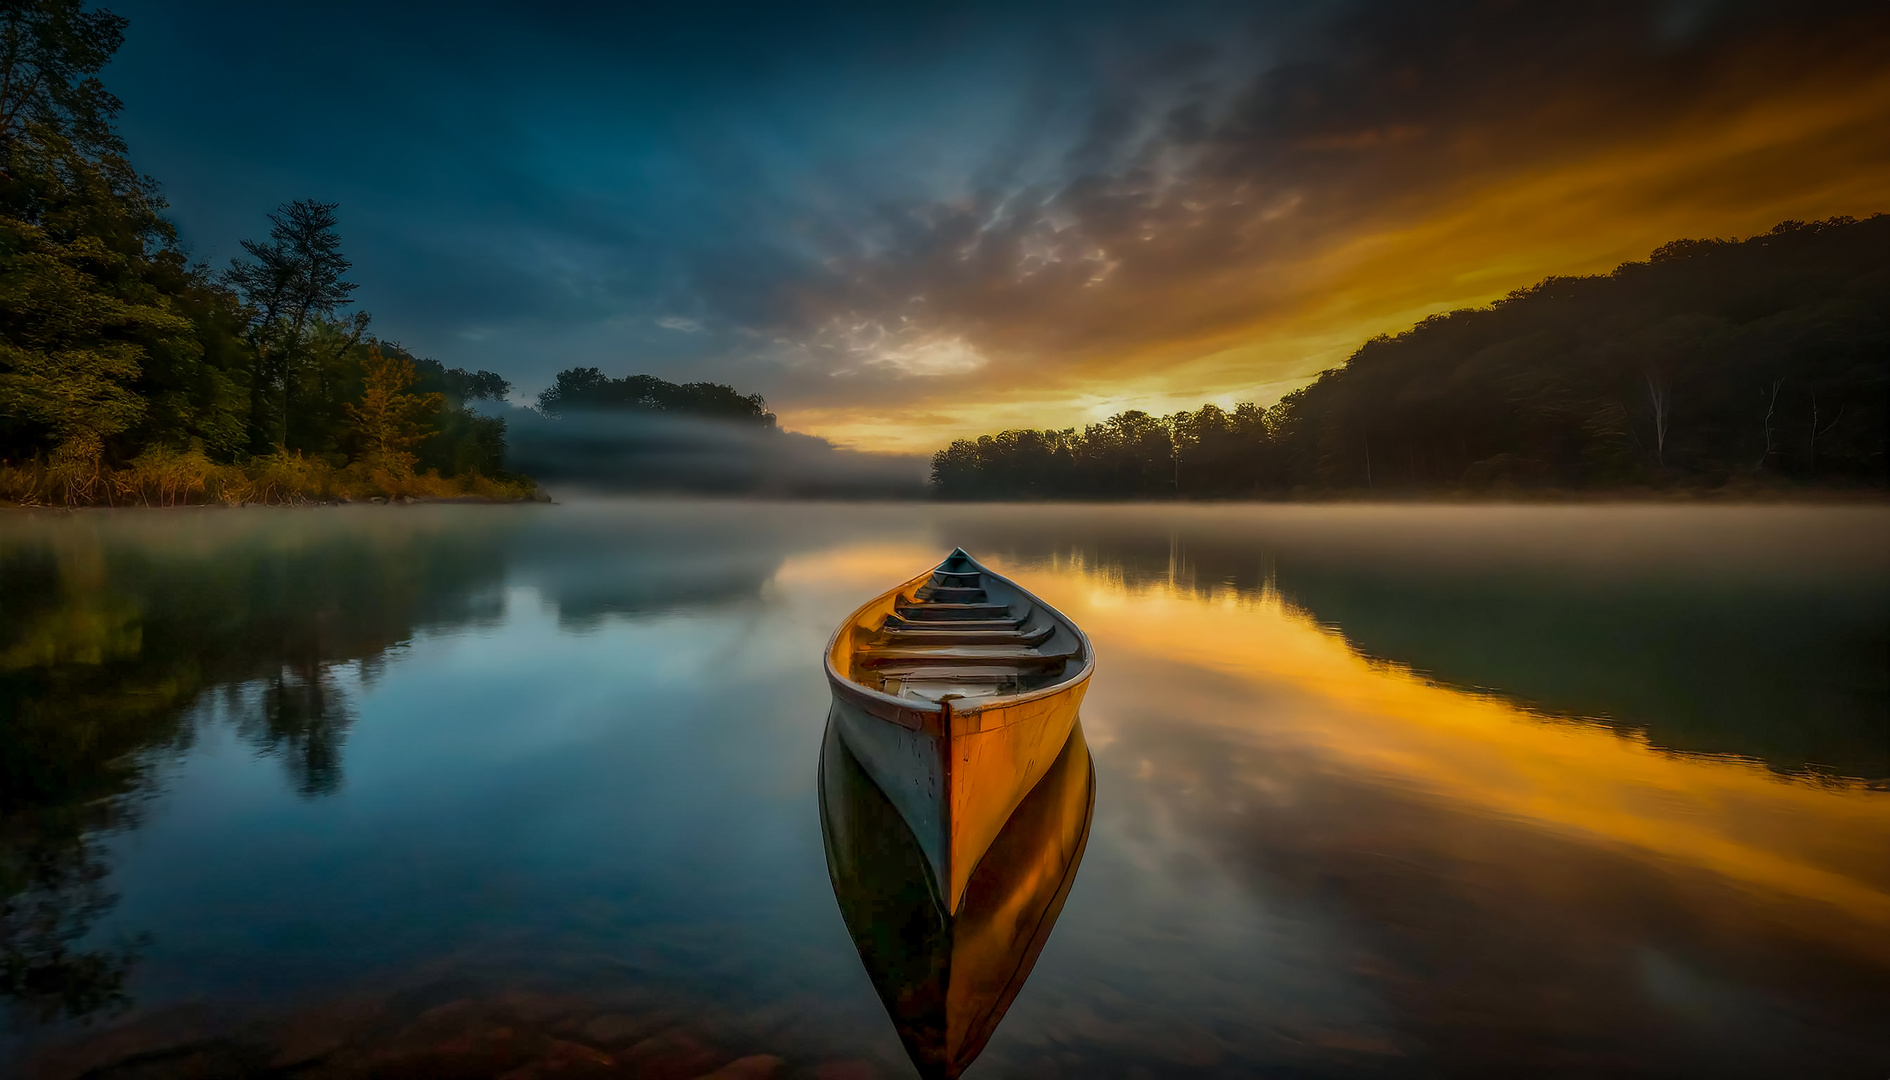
(955, 769)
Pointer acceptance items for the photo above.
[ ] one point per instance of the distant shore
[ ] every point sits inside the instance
(1547, 497)
(1472, 497)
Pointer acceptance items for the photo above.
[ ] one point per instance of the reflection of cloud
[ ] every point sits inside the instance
(1729, 818)
(1260, 672)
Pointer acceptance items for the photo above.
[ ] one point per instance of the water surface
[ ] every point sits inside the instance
(1379, 790)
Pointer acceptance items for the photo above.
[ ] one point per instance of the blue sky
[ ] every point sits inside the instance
(900, 224)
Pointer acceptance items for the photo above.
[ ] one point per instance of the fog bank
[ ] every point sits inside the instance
(645, 451)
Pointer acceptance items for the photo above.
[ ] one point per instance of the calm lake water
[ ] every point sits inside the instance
(1379, 791)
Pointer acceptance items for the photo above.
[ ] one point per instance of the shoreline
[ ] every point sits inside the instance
(536, 499)
(1874, 498)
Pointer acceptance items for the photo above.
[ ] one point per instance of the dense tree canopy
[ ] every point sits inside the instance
(50, 55)
(1715, 362)
(590, 390)
(117, 353)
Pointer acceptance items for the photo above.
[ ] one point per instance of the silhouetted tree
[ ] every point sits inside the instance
(589, 389)
(294, 277)
(1710, 363)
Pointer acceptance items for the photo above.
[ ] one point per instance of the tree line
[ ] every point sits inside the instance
(1714, 364)
(130, 373)
(588, 389)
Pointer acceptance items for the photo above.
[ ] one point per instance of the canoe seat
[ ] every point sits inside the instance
(1019, 655)
(966, 674)
(953, 611)
(955, 636)
(895, 622)
(961, 593)
(947, 639)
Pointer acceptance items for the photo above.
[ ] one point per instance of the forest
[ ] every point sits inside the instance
(590, 390)
(131, 375)
(1714, 365)
(641, 433)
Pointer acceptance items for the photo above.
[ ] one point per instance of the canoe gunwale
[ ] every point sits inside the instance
(918, 714)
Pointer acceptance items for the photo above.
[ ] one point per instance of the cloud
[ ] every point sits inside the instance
(847, 345)
(902, 225)
(1390, 163)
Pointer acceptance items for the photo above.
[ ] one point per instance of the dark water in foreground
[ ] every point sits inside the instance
(1378, 791)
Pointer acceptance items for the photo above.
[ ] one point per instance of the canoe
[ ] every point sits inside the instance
(947, 982)
(955, 691)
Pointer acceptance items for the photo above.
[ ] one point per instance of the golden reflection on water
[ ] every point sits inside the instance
(948, 980)
(1264, 673)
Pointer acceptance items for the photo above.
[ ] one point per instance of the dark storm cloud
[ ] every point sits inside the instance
(845, 205)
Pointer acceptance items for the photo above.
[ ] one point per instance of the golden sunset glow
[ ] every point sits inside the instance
(1269, 315)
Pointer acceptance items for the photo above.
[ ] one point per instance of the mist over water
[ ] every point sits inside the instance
(603, 452)
(1379, 790)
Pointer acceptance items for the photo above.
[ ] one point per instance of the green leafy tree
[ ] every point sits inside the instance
(467, 441)
(109, 339)
(50, 55)
(81, 307)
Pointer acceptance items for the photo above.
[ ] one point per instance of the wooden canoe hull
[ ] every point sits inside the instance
(956, 788)
(954, 769)
(947, 980)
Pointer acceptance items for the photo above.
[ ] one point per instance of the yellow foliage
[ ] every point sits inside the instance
(390, 421)
(165, 477)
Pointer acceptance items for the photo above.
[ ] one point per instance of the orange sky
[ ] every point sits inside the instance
(903, 224)
(1225, 288)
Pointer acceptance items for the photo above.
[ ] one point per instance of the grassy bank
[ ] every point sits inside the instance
(160, 477)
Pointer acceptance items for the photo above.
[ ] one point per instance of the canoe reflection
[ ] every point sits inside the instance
(947, 981)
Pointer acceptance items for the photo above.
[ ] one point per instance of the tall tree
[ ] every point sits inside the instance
(296, 276)
(109, 338)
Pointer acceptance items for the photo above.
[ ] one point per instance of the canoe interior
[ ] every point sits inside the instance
(957, 632)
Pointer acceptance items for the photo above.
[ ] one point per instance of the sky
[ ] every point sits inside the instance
(904, 224)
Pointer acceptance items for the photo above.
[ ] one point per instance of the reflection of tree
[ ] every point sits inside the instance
(115, 629)
(302, 717)
(682, 560)
(51, 892)
(1699, 663)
